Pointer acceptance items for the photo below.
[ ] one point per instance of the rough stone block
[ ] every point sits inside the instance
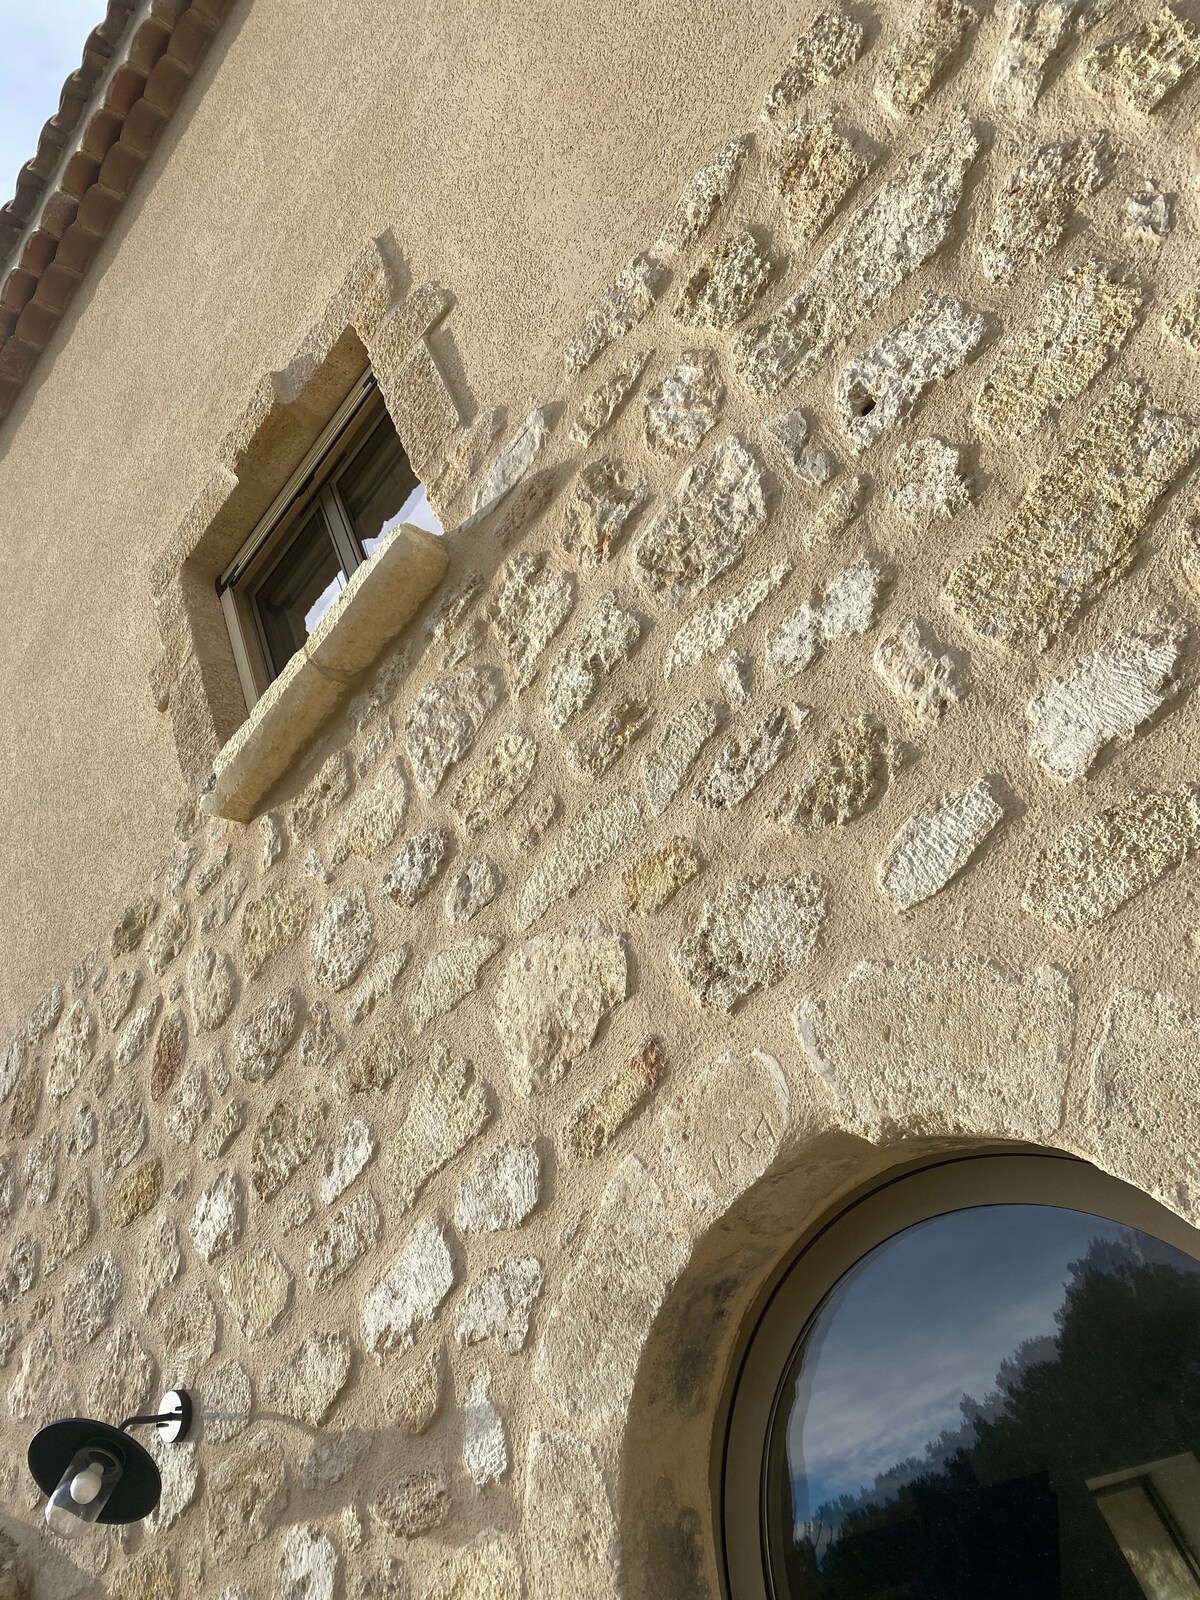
(924, 55)
(751, 937)
(703, 195)
(500, 1190)
(532, 604)
(812, 169)
(500, 1305)
(919, 669)
(415, 869)
(257, 1288)
(719, 506)
(602, 505)
(262, 1041)
(601, 1115)
(618, 310)
(846, 607)
(410, 1292)
(342, 939)
(473, 890)
(282, 1143)
(449, 1108)
(709, 628)
(592, 754)
(934, 846)
(658, 878)
(597, 834)
(551, 999)
(722, 1128)
(449, 977)
(932, 487)
(1143, 66)
(605, 640)
(351, 1232)
(444, 720)
(309, 1383)
(849, 773)
(597, 412)
(726, 283)
(491, 789)
(1039, 198)
(744, 762)
(665, 768)
(833, 42)
(510, 465)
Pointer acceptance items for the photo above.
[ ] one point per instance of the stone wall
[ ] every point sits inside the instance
(792, 775)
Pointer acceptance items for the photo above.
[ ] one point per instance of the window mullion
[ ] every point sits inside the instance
(340, 530)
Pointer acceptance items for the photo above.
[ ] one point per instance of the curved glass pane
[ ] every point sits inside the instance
(1002, 1403)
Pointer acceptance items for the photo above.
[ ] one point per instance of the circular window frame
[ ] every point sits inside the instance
(826, 1254)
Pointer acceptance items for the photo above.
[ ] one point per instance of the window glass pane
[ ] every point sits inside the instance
(380, 490)
(299, 589)
(1002, 1403)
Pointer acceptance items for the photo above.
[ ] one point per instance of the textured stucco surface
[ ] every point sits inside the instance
(683, 868)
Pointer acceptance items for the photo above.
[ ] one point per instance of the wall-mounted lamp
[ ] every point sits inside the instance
(94, 1473)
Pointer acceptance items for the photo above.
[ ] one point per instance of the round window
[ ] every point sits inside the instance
(984, 1382)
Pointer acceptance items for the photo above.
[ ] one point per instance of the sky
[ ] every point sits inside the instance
(41, 43)
(924, 1319)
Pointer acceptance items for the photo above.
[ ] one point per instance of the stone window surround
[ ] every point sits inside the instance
(369, 323)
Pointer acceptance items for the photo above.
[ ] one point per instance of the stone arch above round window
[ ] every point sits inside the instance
(981, 1379)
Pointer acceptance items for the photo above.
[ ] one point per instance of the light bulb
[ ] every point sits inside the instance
(86, 1485)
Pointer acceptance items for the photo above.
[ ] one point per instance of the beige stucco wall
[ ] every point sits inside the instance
(509, 161)
(949, 942)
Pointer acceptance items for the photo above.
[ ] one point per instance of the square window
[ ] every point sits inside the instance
(354, 487)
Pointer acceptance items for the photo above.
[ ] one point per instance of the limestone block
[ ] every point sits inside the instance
(500, 1191)
(849, 773)
(591, 1343)
(934, 846)
(124, 1373)
(282, 1143)
(74, 1047)
(500, 1305)
(919, 670)
(189, 1108)
(1034, 208)
(38, 1392)
(1076, 528)
(751, 937)
(593, 753)
(222, 906)
(81, 1140)
(1143, 66)
(833, 42)
(171, 1045)
(599, 1117)
(718, 508)
(485, 1444)
(709, 628)
(1148, 214)
(603, 404)
(845, 608)
(262, 1041)
(880, 388)
(171, 932)
(225, 1397)
(1034, 38)
(490, 790)
(510, 465)
(619, 309)
(598, 514)
(884, 242)
(257, 1289)
(376, 984)
(216, 1224)
(161, 1261)
(597, 834)
(88, 1303)
(126, 937)
(309, 1383)
(21, 1273)
(1105, 696)
(373, 818)
(115, 1001)
(416, 1396)
(135, 1035)
(473, 890)
(449, 977)
(308, 1563)
(180, 1474)
(489, 1569)
(225, 1130)
(668, 764)
(465, 455)
(136, 1193)
(352, 1230)
(189, 1335)
(744, 762)
(605, 640)
(726, 283)
(1182, 321)
(321, 796)
(40, 1171)
(415, 869)
(932, 487)
(1097, 864)
(551, 999)
(723, 1127)
(346, 1158)
(531, 606)
(443, 721)
(923, 56)
(417, 1505)
(72, 1224)
(735, 674)
(1080, 323)
(449, 1108)
(658, 878)
(343, 939)
(700, 200)
(812, 168)
(332, 1457)
(410, 1292)
(944, 1048)
(247, 1495)
(1143, 1096)
(211, 984)
(150, 1576)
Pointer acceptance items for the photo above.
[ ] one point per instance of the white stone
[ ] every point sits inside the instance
(473, 890)
(485, 1447)
(216, 1223)
(346, 1159)
(500, 1305)
(449, 977)
(604, 641)
(933, 846)
(709, 628)
(376, 985)
(510, 465)
(308, 1564)
(410, 1292)
(846, 607)
(553, 994)
(448, 1109)
(718, 508)
(666, 766)
(1104, 697)
(596, 835)
(500, 1191)
(342, 939)
(919, 670)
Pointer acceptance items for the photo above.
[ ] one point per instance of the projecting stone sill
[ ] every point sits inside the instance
(374, 607)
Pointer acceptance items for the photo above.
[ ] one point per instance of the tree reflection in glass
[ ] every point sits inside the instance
(1002, 1403)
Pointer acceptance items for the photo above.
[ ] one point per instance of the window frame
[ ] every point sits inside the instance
(311, 486)
(830, 1250)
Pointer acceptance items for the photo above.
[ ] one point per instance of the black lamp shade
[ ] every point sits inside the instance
(53, 1447)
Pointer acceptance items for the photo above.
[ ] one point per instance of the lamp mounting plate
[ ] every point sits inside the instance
(176, 1409)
